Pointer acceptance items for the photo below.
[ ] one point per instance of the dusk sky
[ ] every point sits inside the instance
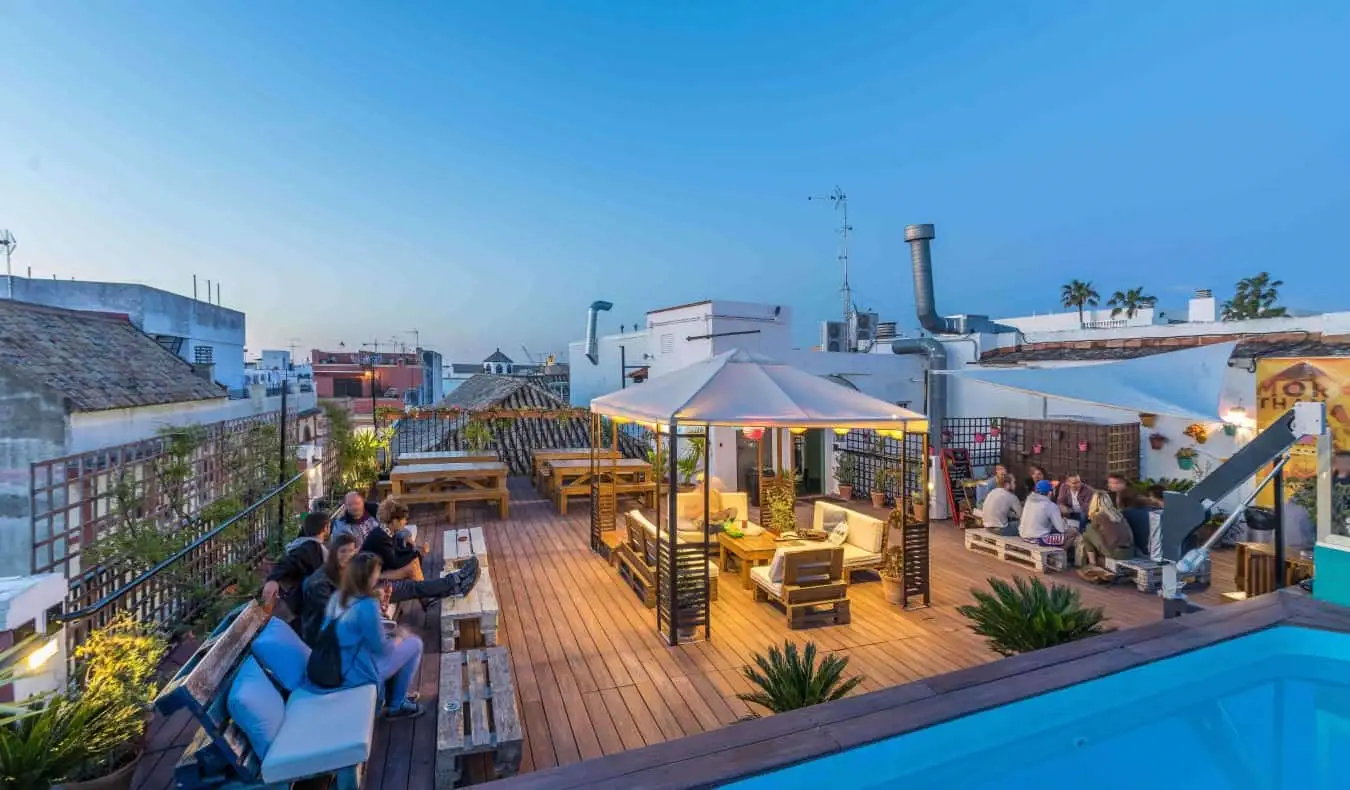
(483, 171)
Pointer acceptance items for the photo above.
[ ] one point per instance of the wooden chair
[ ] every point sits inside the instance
(637, 555)
(813, 586)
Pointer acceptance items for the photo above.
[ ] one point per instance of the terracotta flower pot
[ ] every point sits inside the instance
(995, 432)
(845, 491)
(1157, 442)
(893, 589)
(878, 499)
(119, 779)
(920, 512)
(1082, 447)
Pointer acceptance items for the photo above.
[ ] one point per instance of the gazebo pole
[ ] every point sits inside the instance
(672, 605)
(707, 514)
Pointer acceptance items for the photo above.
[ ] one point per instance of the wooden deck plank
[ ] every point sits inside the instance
(594, 678)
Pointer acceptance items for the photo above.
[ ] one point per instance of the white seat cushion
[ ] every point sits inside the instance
(854, 556)
(865, 532)
(321, 734)
(760, 576)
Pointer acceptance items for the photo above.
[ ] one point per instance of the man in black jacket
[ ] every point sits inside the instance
(304, 555)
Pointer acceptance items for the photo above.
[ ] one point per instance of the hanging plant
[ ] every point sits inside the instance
(1186, 458)
(995, 431)
(1082, 447)
(979, 438)
(1197, 432)
(1156, 441)
(1036, 448)
(1230, 429)
(1148, 420)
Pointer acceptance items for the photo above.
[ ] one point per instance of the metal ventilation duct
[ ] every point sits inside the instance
(592, 340)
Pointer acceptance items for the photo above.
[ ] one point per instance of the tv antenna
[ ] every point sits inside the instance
(840, 201)
(8, 242)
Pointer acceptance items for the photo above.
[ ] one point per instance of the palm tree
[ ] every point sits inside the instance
(1255, 298)
(1130, 302)
(1078, 294)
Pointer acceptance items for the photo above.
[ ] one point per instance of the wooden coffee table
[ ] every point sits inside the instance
(749, 551)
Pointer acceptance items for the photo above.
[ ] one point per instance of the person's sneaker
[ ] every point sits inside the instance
(406, 710)
(467, 576)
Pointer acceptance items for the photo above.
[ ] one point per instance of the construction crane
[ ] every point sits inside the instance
(528, 355)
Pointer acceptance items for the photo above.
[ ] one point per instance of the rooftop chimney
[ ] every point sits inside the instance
(1201, 309)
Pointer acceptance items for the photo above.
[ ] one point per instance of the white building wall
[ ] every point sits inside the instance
(92, 430)
(1100, 317)
(587, 381)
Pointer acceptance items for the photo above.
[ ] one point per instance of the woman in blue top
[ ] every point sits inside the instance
(368, 655)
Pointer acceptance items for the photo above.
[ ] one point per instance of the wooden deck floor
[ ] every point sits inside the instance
(594, 678)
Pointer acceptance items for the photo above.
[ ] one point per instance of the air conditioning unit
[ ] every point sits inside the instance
(833, 336)
(867, 327)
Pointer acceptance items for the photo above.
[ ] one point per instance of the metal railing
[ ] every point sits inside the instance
(192, 581)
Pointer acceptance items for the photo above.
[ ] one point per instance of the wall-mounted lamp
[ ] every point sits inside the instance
(41, 655)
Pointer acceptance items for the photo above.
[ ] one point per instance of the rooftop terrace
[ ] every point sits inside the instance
(594, 678)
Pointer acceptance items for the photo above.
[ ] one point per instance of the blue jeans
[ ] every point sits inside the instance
(397, 667)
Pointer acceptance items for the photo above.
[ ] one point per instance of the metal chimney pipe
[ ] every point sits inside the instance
(918, 236)
(935, 393)
(593, 341)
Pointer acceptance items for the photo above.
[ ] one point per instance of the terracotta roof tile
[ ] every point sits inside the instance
(1277, 345)
(96, 360)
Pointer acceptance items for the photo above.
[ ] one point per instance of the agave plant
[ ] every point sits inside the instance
(1026, 616)
(788, 679)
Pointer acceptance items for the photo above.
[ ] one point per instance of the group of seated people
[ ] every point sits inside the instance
(348, 570)
(1050, 510)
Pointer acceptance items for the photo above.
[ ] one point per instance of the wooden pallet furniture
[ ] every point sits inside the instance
(321, 734)
(573, 478)
(472, 620)
(749, 551)
(1147, 574)
(452, 483)
(812, 589)
(541, 458)
(635, 559)
(1255, 568)
(478, 720)
(1012, 549)
(448, 457)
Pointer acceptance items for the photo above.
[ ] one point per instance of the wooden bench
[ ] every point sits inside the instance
(478, 720)
(501, 496)
(472, 620)
(813, 586)
(1011, 548)
(635, 558)
(319, 734)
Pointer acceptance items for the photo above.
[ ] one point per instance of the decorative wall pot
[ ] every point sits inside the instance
(979, 438)
(1082, 447)
(1156, 441)
(1036, 448)
(946, 435)
(1229, 429)
(1186, 464)
(995, 431)
(1148, 420)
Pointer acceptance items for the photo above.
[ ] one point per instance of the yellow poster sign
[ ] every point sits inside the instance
(1280, 383)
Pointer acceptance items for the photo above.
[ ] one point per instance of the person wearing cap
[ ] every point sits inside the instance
(1041, 522)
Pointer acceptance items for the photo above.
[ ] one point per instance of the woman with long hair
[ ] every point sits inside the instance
(400, 559)
(322, 583)
(1108, 533)
(369, 655)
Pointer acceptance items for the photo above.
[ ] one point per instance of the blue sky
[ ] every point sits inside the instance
(483, 171)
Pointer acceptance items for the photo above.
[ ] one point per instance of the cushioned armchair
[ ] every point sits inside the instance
(865, 545)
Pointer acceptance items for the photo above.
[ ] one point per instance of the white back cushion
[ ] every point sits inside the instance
(866, 532)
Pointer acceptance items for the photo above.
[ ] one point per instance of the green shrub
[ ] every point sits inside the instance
(1030, 616)
(789, 680)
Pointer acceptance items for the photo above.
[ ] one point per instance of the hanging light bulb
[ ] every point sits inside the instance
(842, 431)
(797, 431)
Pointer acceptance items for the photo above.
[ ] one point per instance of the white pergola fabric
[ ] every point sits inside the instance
(1185, 383)
(743, 389)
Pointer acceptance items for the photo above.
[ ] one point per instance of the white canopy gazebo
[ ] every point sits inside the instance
(733, 389)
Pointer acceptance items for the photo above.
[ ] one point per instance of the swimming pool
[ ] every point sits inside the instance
(1266, 710)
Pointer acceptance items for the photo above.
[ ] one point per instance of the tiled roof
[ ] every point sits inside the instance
(498, 356)
(96, 360)
(1275, 345)
(514, 440)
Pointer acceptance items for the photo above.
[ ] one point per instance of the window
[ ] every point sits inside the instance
(347, 388)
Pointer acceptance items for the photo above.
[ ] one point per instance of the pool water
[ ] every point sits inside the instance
(1268, 710)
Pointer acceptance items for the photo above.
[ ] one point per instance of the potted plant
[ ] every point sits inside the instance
(845, 471)
(1156, 441)
(1148, 420)
(918, 503)
(1229, 429)
(1036, 448)
(787, 680)
(881, 483)
(1186, 458)
(994, 429)
(91, 736)
(477, 435)
(1197, 432)
(893, 574)
(1022, 617)
(1083, 446)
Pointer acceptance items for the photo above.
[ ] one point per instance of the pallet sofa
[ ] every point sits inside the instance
(1013, 549)
(811, 587)
(247, 680)
(636, 556)
(864, 547)
(689, 512)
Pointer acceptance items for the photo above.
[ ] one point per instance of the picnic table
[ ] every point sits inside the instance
(448, 457)
(450, 483)
(573, 478)
(543, 457)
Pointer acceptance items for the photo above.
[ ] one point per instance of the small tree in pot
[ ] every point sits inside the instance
(885, 478)
(845, 471)
(893, 575)
(918, 503)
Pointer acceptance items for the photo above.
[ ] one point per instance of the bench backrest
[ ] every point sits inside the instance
(809, 567)
(202, 686)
